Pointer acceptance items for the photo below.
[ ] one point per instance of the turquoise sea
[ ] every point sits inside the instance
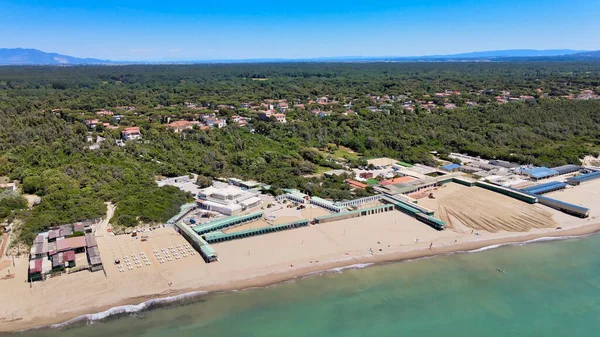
(547, 289)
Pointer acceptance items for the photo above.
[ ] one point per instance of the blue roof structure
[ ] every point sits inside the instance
(546, 188)
(566, 169)
(585, 177)
(544, 185)
(540, 172)
(450, 167)
(564, 206)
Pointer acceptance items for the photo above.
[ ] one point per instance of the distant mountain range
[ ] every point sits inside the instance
(19, 56)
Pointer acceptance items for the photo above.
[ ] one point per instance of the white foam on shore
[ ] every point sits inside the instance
(135, 308)
(127, 309)
(542, 239)
(340, 269)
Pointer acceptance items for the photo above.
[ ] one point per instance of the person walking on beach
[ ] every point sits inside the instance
(430, 245)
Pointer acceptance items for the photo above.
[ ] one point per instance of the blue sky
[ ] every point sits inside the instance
(207, 29)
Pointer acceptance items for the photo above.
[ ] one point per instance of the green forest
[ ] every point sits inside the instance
(43, 140)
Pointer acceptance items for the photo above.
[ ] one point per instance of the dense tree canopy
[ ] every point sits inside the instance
(43, 140)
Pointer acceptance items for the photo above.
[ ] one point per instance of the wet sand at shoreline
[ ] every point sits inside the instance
(251, 262)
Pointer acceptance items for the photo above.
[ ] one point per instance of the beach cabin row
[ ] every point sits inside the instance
(402, 207)
(226, 222)
(353, 214)
(431, 221)
(360, 201)
(412, 205)
(328, 205)
(219, 236)
(199, 244)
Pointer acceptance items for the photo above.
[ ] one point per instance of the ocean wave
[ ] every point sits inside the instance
(128, 309)
(537, 240)
(353, 266)
(339, 269)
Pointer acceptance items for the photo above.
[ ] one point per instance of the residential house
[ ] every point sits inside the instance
(323, 100)
(104, 112)
(218, 122)
(280, 118)
(452, 92)
(91, 123)
(283, 106)
(109, 126)
(267, 115)
(501, 100)
(179, 126)
(241, 121)
(129, 108)
(449, 106)
(131, 133)
(321, 113)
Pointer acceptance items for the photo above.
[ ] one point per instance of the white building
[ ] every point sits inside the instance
(227, 200)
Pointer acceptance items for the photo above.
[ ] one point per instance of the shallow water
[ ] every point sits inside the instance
(548, 289)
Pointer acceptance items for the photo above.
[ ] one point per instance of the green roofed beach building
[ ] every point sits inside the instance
(219, 236)
(226, 222)
(353, 214)
(207, 252)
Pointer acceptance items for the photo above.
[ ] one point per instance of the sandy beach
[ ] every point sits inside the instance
(268, 259)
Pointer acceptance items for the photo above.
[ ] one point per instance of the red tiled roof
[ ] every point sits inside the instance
(133, 129)
(355, 183)
(398, 180)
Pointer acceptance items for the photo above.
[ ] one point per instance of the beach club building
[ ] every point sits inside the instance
(46, 257)
(54, 251)
(228, 200)
(293, 195)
